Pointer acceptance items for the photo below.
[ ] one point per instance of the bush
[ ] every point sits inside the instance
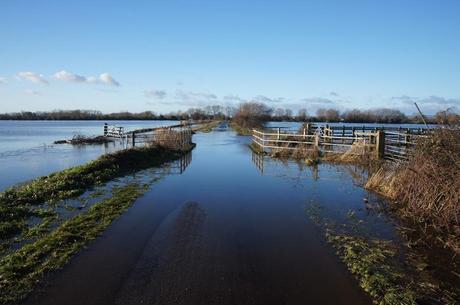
(427, 188)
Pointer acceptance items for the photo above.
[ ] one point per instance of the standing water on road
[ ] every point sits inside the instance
(231, 229)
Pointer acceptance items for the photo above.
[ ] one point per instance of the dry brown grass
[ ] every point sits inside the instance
(171, 139)
(359, 154)
(308, 153)
(426, 190)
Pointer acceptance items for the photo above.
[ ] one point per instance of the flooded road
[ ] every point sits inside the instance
(231, 229)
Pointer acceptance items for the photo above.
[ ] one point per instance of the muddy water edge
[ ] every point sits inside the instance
(228, 230)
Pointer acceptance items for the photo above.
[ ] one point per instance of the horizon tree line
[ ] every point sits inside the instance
(248, 112)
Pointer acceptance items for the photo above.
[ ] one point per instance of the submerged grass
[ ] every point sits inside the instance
(20, 271)
(19, 203)
(389, 273)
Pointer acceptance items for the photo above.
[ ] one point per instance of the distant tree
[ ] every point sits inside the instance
(302, 115)
(252, 114)
(328, 115)
(447, 117)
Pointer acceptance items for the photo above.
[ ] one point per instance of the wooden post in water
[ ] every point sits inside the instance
(106, 129)
(380, 144)
(134, 139)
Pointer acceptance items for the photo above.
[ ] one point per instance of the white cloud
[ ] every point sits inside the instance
(33, 77)
(159, 94)
(265, 99)
(430, 100)
(333, 93)
(69, 77)
(195, 96)
(317, 100)
(233, 98)
(106, 78)
(2, 80)
(439, 100)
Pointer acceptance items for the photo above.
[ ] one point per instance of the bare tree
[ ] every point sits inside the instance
(252, 114)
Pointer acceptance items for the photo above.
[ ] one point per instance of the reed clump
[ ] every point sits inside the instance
(426, 190)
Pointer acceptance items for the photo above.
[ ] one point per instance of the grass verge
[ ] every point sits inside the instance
(241, 131)
(19, 203)
(21, 270)
(390, 273)
(206, 127)
(45, 250)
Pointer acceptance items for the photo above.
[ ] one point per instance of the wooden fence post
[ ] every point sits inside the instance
(380, 144)
(134, 139)
(317, 141)
(278, 137)
(407, 137)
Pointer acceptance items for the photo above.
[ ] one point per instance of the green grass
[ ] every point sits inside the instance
(29, 217)
(21, 270)
(389, 273)
(17, 204)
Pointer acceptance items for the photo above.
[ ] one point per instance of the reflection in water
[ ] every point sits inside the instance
(179, 166)
(281, 168)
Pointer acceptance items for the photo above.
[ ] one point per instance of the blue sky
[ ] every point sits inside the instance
(170, 55)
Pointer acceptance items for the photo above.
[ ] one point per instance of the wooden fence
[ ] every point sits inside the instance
(393, 144)
(174, 136)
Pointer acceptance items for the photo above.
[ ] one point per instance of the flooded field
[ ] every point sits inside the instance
(27, 150)
(221, 225)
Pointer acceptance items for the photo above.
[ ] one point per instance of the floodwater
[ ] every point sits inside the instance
(230, 229)
(27, 150)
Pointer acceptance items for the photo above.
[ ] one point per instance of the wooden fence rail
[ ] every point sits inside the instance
(177, 136)
(393, 144)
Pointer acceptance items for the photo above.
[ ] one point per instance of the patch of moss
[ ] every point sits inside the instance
(21, 270)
